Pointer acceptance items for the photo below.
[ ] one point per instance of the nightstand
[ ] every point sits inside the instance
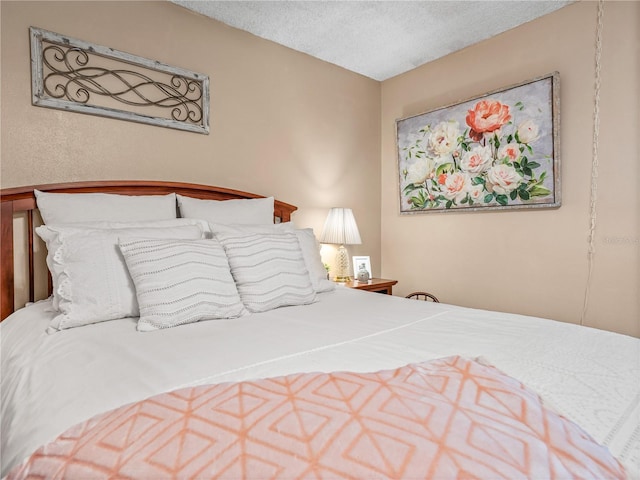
(378, 285)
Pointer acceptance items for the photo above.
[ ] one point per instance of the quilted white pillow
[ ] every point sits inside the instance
(180, 281)
(89, 207)
(50, 233)
(93, 282)
(269, 269)
(241, 211)
(308, 244)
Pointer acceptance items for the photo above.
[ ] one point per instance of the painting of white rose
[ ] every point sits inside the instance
(497, 151)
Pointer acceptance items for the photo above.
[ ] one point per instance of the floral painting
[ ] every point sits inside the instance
(497, 151)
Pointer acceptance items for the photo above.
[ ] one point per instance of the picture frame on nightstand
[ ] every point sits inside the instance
(358, 261)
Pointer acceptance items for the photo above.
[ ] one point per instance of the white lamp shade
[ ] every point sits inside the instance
(341, 228)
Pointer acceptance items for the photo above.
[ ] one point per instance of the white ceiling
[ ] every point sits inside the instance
(378, 39)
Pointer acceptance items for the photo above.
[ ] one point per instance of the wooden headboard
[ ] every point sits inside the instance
(22, 200)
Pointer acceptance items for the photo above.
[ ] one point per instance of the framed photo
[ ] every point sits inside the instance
(361, 263)
(494, 152)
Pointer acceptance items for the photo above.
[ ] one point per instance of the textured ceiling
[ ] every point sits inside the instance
(378, 39)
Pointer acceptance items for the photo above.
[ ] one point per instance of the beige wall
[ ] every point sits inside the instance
(532, 262)
(282, 122)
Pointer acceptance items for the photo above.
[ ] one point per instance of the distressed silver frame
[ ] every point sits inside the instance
(184, 94)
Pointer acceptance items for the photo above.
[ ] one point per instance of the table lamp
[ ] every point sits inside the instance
(340, 228)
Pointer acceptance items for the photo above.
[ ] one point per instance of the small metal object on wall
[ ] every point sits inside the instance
(77, 76)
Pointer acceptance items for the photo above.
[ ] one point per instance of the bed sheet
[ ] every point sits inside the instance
(51, 382)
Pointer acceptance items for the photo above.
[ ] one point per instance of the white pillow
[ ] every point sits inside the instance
(241, 211)
(180, 281)
(49, 233)
(308, 244)
(311, 253)
(93, 282)
(89, 207)
(254, 228)
(212, 228)
(269, 269)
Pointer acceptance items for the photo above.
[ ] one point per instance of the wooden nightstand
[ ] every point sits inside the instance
(378, 285)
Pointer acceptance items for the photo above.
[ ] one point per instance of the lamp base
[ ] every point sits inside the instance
(342, 266)
(341, 279)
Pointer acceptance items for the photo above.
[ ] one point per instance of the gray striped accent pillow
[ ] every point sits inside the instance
(180, 281)
(269, 269)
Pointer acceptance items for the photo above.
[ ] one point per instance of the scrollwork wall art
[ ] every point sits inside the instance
(78, 76)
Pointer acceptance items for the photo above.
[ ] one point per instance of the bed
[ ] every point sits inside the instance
(385, 387)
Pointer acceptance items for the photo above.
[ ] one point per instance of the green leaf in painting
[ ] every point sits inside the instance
(513, 194)
(539, 191)
(449, 204)
(488, 198)
(524, 195)
(445, 167)
(527, 171)
(502, 200)
(410, 188)
(420, 201)
(534, 165)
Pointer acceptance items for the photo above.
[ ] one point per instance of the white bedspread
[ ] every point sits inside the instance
(51, 382)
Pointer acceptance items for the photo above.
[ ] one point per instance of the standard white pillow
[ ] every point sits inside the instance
(180, 281)
(308, 244)
(90, 207)
(212, 228)
(93, 282)
(269, 269)
(241, 211)
(311, 252)
(259, 228)
(49, 233)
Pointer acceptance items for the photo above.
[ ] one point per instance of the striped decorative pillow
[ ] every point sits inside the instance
(180, 281)
(308, 244)
(269, 269)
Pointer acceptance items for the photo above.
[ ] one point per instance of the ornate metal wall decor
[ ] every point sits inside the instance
(77, 76)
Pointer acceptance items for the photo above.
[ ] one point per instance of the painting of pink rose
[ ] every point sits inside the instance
(487, 116)
(497, 151)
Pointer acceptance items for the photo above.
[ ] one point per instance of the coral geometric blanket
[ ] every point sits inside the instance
(444, 419)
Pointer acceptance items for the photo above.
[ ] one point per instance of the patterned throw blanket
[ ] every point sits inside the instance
(444, 419)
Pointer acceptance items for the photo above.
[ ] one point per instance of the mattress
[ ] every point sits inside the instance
(52, 382)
